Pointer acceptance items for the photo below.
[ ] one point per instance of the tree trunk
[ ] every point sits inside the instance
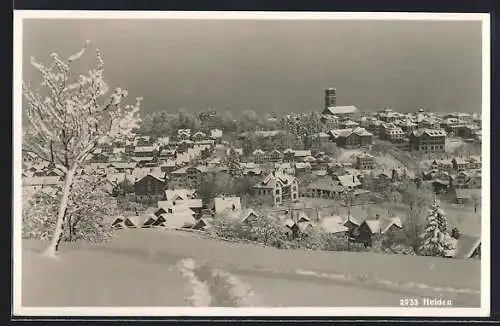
(51, 250)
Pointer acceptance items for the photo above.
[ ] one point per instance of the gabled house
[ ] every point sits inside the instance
(204, 223)
(466, 247)
(150, 188)
(351, 138)
(348, 124)
(175, 220)
(373, 228)
(428, 140)
(259, 156)
(474, 162)
(300, 155)
(460, 164)
(278, 186)
(183, 134)
(365, 162)
(274, 156)
(198, 136)
(216, 135)
(324, 188)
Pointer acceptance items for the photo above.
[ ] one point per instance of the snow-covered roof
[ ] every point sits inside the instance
(333, 224)
(342, 109)
(181, 194)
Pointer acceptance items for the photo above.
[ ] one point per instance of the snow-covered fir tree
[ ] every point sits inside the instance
(436, 239)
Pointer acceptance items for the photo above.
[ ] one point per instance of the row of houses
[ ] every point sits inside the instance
(458, 164)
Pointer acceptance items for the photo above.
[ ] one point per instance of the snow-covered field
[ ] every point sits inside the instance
(171, 268)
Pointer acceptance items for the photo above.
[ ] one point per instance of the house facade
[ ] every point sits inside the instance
(149, 189)
(428, 140)
(279, 187)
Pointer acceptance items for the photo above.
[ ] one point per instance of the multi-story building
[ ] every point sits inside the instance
(352, 138)
(392, 133)
(365, 162)
(428, 140)
(279, 187)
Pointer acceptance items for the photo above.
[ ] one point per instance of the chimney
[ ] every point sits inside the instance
(330, 97)
(318, 215)
(377, 216)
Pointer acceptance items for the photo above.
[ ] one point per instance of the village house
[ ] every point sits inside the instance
(288, 155)
(324, 188)
(278, 186)
(474, 162)
(390, 132)
(251, 169)
(348, 124)
(302, 168)
(300, 155)
(183, 134)
(387, 115)
(274, 156)
(349, 181)
(216, 135)
(444, 165)
(365, 162)
(468, 179)
(150, 188)
(30, 157)
(168, 166)
(145, 152)
(351, 138)
(259, 156)
(460, 164)
(370, 229)
(407, 126)
(192, 206)
(428, 140)
(285, 167)
(198, 136)
(143, 141)
(465, 247)
(167, 154)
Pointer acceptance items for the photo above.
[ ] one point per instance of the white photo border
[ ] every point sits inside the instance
(19, 310)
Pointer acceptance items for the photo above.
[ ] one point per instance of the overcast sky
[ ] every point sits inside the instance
(276, 65)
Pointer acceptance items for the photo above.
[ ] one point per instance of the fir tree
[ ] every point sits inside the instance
(436, 239)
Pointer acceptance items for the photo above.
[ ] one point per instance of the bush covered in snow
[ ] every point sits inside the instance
(272, 232)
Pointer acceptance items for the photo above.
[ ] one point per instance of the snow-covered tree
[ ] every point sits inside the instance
(69, 116)
(436, 238)
(87, 216)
